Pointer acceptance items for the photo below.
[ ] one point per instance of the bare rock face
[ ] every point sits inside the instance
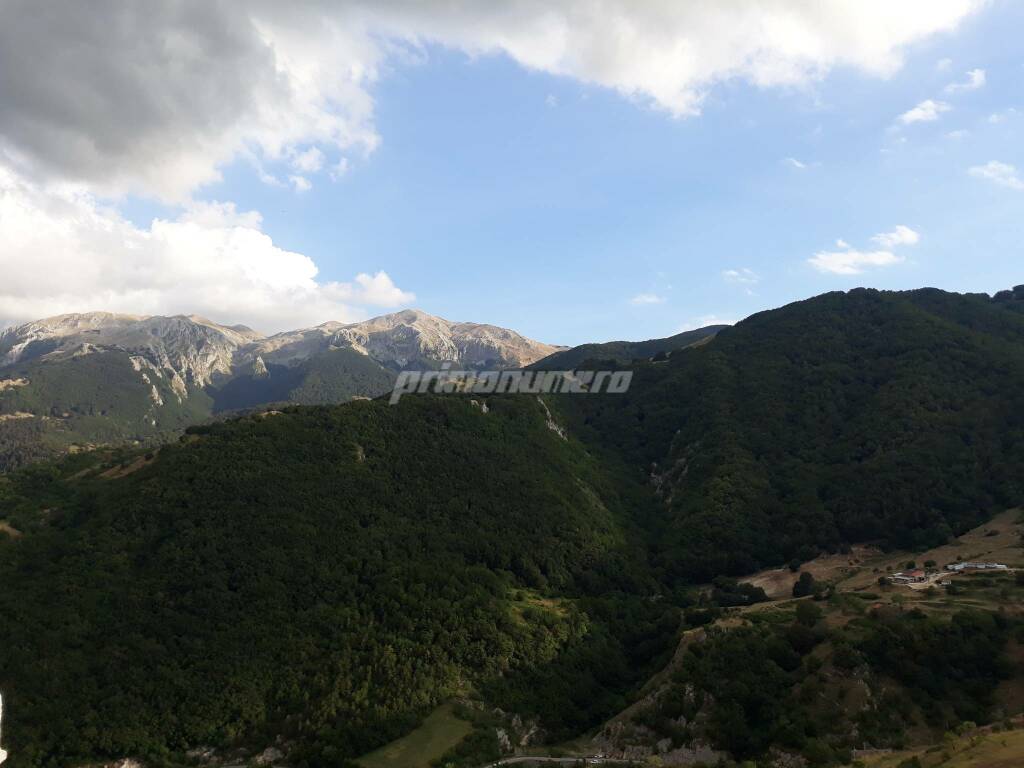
(410, 339)
(193, 352)
(189, 350)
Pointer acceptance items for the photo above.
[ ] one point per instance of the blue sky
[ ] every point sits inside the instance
(574, 213)
(534, 202)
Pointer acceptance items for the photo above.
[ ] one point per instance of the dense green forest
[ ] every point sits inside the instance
(330, 574)
(623, 351)
(867, 415)
(88, 400)
(102, 399)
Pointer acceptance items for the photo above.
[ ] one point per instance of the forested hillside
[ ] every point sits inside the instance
(624, 351)
(847, 417)
(88, 400)
(328, 574)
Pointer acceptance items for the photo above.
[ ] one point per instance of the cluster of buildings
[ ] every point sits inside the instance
(918, 576)
(976, 567)
(909, 577)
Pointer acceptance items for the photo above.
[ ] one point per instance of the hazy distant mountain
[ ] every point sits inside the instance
(99, 377)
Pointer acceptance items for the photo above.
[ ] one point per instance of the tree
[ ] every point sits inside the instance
(804, 586)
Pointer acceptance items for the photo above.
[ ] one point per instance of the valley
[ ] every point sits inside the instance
(364, 582)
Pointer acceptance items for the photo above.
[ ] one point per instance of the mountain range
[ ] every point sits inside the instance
(77, 380)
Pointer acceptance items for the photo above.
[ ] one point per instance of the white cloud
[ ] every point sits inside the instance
(1001, 117)
(925, 112)
(796, 163)
(374, 290)
(901, 235)
(852, 261)
(64, 252)
(158, 98)
(309, 161)
(1003, 174)
(551, 100)
(944, 65)
(216, 214)
(975, 80)
(300, 183)
(703, 321)
(643, 299)
(848, 260)
(958, 134)
(339, 169)
(743, 276)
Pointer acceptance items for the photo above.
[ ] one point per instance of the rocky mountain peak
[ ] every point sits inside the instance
(196, 350)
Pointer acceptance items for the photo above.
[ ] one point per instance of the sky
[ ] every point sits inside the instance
(578, 170)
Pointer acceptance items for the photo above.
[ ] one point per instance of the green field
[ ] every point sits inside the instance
(441, 731)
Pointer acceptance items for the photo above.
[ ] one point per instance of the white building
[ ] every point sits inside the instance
(976, 567)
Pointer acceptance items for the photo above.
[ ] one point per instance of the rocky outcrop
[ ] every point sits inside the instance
(187, 350)
(193, 351)
(409, 339)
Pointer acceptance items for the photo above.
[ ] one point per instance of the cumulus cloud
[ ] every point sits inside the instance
(901, 235)
(644, 299)
(309, 161)
(925, 112)
(157, 98)
(742, 276)
(848, 260)
(374, 290)
(64, 252)
(1003, 174)
(975, 80)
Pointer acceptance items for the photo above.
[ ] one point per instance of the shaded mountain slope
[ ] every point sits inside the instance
(327, 574)
(623, 351)
(864, 415)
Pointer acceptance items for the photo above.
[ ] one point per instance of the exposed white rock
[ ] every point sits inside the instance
(191, 351)
(12, 383)
(268, 756)
(259, 368)
(552, 424)
(409, 339)
(16, 415)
